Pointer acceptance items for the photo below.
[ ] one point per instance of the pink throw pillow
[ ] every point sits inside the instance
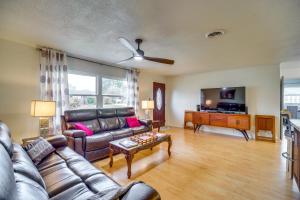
(132, 122)
(83, 127)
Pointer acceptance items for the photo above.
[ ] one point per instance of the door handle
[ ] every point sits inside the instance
(287, 156)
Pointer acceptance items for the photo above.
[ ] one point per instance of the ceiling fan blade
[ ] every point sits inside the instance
(160, 60)
(127, 44)
(120, 62)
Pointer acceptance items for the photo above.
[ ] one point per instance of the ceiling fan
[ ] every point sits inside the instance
(138, 54)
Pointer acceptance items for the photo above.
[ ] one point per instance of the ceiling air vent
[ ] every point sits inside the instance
(215, 34)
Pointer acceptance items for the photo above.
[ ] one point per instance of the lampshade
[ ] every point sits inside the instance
(148, 104)
(43, 108)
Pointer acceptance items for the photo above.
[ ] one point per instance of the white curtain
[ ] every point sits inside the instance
(133, 89)
(54, 84)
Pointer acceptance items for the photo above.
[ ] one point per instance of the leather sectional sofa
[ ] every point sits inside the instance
(63, 174)
(107, 125)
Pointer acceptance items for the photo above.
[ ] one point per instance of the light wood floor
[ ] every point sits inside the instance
(209, 166)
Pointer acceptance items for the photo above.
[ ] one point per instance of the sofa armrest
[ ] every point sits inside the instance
(74, 133)
(76, 140)
(57, 141)
(141, 191)
(146, 122)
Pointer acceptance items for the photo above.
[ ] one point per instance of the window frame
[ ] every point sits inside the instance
(110, 95)
(99, 96)
(84, 95)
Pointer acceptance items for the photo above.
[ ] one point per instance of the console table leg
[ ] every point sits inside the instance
(244, 134)
(111, 153)
(169, 146)
(129, 158)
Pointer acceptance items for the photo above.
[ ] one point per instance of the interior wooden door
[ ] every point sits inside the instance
(159, 102)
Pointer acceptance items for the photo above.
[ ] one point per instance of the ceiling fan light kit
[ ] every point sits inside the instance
(138, 54)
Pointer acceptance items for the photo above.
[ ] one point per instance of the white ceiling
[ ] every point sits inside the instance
(257, 31)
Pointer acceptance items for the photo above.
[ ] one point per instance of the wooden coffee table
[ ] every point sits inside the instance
(116, 147)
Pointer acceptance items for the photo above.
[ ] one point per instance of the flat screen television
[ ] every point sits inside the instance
(229, 99)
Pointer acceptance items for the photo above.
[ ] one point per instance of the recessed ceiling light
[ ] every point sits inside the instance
(215, 33)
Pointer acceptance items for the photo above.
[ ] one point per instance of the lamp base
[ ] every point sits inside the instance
(147, 114)
(44, 127)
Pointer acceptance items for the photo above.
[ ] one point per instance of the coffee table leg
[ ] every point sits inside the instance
(169, 146)
(129, 158)
(111, 152)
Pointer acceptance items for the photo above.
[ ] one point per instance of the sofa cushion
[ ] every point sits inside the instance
(106, 113)
(59, 179)
(100, 182)
(29, 189)
(23, 165)
(125, 112)
(98, 141)
(121, 133)
(122, 122)
(139, 129)
(80, 115)
(5, 139)
(7, 179)
(77, 192)
(108, 124)
(50, 161)
(91, 124)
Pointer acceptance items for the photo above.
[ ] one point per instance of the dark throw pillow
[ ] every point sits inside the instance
(39, 149)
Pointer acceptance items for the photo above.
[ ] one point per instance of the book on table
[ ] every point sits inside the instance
(128, 143)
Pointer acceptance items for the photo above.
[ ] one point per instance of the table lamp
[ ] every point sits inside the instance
(147, 105)
(43, 110)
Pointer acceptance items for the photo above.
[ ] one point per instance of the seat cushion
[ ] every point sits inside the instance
(121, 133)
(100, 182)
(140, 129)
(59, 178)
(50, 161)
(98, 141)
(29, 189)
(77, 192)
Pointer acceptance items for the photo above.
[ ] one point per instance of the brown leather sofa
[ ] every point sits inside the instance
(107, 125)
(63, 174)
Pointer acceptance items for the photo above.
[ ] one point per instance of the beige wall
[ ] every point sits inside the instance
(146, 80)
(262, 92)
(18, 86)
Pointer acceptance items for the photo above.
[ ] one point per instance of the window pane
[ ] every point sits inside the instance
(80, 102)
(111, 101)
(81, 84)
(114, 87)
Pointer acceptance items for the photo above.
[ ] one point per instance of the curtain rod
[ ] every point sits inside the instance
(87, 60)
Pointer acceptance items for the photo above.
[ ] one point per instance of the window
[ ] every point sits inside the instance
(87, 91)
(82, 91)
(114, 92)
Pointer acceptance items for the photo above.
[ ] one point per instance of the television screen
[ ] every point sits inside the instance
(229, 99)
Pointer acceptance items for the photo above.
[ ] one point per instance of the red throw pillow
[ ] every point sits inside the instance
(83, 127)
(132, 122)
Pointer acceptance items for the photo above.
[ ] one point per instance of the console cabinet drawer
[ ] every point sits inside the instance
(217, 119)
(201, 118)
(239, 122)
